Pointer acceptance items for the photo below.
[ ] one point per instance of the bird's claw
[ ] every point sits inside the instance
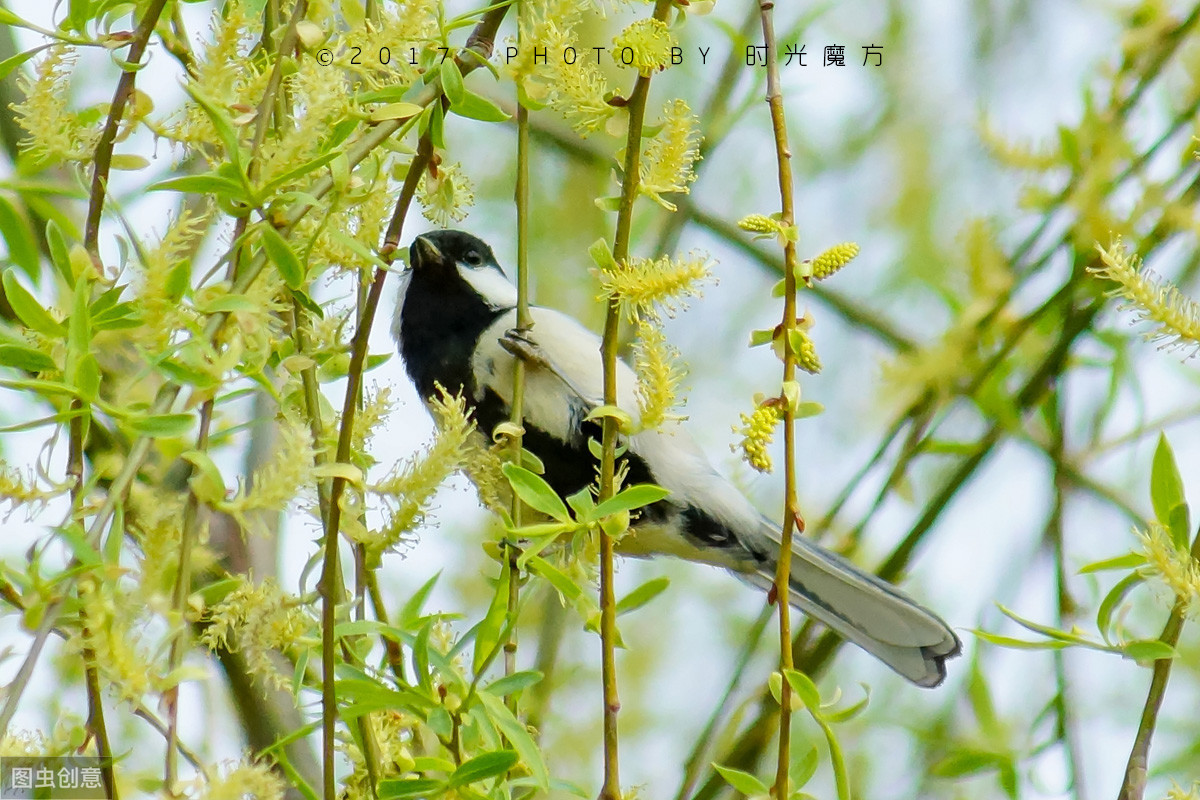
(517, 343)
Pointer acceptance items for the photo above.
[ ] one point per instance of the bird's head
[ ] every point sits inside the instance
(455, 271)
(448, 249)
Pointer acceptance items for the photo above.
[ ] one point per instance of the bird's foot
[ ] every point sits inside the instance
(517, 343)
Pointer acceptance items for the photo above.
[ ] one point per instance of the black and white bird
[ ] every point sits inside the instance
(454, 326)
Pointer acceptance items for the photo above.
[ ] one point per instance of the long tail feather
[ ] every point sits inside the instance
(867, 611)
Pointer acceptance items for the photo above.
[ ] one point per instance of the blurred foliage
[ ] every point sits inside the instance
(172, 377)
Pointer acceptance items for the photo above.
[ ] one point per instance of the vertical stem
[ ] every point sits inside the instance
(1133, 786)
(790, 509)
(183, 589)
(102, 160)
(636, 105)
(524, 323)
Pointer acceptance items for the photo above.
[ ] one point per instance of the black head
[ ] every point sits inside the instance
(446, 248)
(453, 290)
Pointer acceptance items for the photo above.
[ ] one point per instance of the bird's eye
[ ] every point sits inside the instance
(473, 258)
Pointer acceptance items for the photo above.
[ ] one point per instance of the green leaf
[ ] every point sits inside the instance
(26, 358)
(285, 259)
(802, 769)
(475, 106)
(535, 492)
(75, 537)
(808, 408)
(518, 736)
(849, 712)
(602, 255)
(761, 337)
(395, 111)
(967, 762)
(87, 377)
(28, 309)
(410, 787)
(225, 129)
(558, 579)
(642, 594)
(636, 496)
(60, 256)
(452, 83)
(161, 425)
(1166, 485)
(1146, 650)
(79, 325)
(206, 482)
(12, 62)
(515, 682)
(1020, 644)
(743, 782)
(412, 609)
(206, 183)
(1128, 561)
(804, 688)
(1113, 599)
(18, 235)
(487, 635)
(483, 766)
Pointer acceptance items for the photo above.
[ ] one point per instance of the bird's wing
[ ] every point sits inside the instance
(564, 379)
(564, 382)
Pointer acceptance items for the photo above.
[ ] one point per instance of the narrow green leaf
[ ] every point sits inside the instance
(161, 425)
(1128, 561)
(12, 62)
(1020, 644)
(206, 183)
(967, 762)
(280, 252)
(60, 255)
(535, 492)
(802, 769)
(79, 326)
(18, 235)
(412, 609)
(514, 683)
(602, 255)
(87, 377)
(482, 767)
(1147, 650)
(28, 309)
(1112, 600)
(26, 358)
(452, 83)
(518, 736)
(642, 594)
(633, 497)
(487, 635)
(558, 579)
(474, 106)
(1166, 485)
(410, 787)
(743, 782)
(805, 688)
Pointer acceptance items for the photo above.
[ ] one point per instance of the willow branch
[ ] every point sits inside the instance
(1133, 785)
(102, 160)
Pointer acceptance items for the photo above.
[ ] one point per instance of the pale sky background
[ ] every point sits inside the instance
(984, 538)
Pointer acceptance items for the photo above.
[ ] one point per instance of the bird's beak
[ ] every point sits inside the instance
(424, 253)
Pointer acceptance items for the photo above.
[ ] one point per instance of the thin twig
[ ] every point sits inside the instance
(1133, 785)
(791, 513)
(636, 108)
(183, 590)
(102, 160)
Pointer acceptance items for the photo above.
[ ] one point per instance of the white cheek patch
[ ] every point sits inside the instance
(490, 284)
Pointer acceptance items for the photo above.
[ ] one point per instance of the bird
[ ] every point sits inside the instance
(455, 327)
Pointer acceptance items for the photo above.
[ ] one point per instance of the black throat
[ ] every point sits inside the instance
(440, 324)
